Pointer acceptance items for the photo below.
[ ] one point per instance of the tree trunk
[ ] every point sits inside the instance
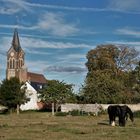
(57, 107)
(53, 109)
(17, 109)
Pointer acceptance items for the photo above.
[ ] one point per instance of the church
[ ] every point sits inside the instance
(16, 68)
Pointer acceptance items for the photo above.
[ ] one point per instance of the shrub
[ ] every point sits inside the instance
(61, 114)
(78, 113)
(137, 114)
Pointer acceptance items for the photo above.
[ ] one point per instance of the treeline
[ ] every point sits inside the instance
(113, 75)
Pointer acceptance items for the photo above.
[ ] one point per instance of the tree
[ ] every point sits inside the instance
(111, 58)
(11, 93)
(109, 78)
(56, 93)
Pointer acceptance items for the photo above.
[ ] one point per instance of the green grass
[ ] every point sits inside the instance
(42, 126)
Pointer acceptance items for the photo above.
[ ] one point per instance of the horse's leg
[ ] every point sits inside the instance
(122, 121)
(110, 119)
(126, 117)
(113, 121)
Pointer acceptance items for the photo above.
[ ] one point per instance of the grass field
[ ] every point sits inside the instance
(42, 126)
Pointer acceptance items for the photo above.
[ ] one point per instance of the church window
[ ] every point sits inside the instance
(17, 64)
(10, 64)
(21, 63)
(13, 63)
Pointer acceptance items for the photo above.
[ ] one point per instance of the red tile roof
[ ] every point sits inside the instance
(35, 77)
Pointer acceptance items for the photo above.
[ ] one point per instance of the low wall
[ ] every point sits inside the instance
(93, 107)
(133, 107)
(81, 107)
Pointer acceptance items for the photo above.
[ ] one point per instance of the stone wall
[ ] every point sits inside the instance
(93, 107)
(81, 107)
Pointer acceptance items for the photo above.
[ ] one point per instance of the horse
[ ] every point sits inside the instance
(121, 112)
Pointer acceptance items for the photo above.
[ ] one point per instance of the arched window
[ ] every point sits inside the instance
(10, 63)
(17, 64)
(13, 63)
(21, 63)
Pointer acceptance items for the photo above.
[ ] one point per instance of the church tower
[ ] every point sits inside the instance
(15, 60)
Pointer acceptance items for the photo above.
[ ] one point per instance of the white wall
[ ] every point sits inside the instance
(93, 107)
(31, 93)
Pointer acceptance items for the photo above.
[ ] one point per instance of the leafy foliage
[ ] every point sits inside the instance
(57, 92)
(11, 93)
(111, 77)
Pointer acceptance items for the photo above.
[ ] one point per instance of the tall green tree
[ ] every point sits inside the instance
(135, 82)
(11, 93)
(109, 78)
(56, 93)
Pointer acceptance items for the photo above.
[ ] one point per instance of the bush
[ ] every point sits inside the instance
(78, 113)
(61, 114)
(137, 114)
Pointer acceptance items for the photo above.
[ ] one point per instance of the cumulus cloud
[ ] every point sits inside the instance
(67, 69)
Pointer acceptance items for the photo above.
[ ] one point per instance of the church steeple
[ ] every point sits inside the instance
(15, 41)
(15, 60)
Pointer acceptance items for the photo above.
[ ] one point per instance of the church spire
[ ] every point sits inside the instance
(15, 41)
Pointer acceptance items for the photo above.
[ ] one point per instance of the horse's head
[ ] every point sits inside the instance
(131, 117)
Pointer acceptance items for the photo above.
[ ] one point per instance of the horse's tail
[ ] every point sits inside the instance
(131, 116)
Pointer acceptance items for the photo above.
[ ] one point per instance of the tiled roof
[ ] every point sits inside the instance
(35, 77)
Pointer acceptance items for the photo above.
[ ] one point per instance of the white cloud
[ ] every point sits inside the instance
(114, 5)
(39, 43)
(30, 43)
(128, 31)
(9, 11)
(128, 5)
(13, 6)
(135, 44)
(54, 22)
(125, 6)
(18, 26)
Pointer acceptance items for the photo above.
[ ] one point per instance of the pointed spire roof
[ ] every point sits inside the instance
(15, 41)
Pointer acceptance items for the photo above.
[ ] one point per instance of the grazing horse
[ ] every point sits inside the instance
(121, 112)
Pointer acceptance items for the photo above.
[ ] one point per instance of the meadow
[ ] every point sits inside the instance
(43, 126)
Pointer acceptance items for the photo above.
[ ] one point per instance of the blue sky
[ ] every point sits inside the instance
(57, 34)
